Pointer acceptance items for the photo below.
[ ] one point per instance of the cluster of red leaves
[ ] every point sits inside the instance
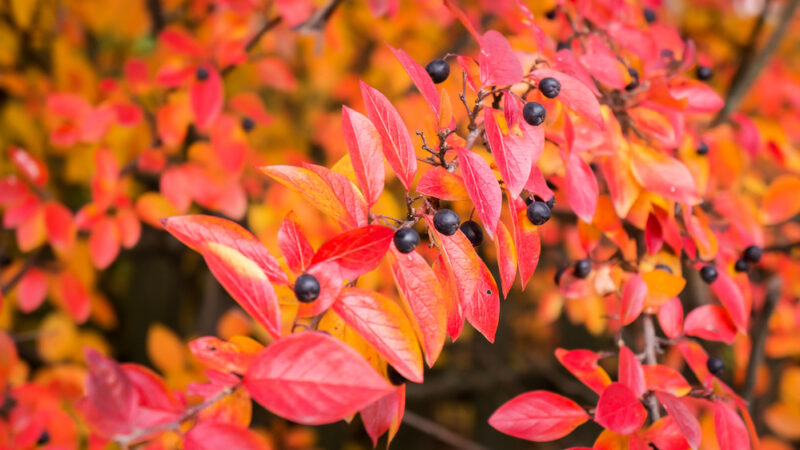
(617, 148)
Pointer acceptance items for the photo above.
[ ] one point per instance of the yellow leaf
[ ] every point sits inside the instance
(781, 201)
(58, 338)
(165, 349)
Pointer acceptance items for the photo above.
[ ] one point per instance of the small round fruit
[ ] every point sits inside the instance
(582, 269)
(534, 113)
(702, 148)
(664, 267)
(704, 73)
(715, 365)
(551, 14)
(394, 376)
(709, 274)
(248, 124)
(550, 87)
(538, 212)
(201, 74)
(43, 439)
(634, 79)
(406, 240)
(649, 15)
(306, 288)
(562, 45)
(438, 69)
(741, 265)
(446, 222)
(473, 232)
(752, 254)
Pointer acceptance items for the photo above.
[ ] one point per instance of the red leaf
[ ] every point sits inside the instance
(293, 245)
(420, 78)
(206, 98)
(538, 416)
(670, 317)
(397, 146)
(294, 12)
(236, 258)
(156, 405)
(633, 296)
(653, 235)
(384, 414)
(710, 322)
(483, 188)
(229, 143)
(32, 289)
(663, 175)
(424, 297)
(582, 189)
(176, 186)
(455, 315)
(104, 242)
(583, 365)
(381, 322)
(327, 273)
(513, 160)
(60, 226)
(181, 41)
(619, 410)
(666, 379)
(731, 431)
(216, 435)
(499, 64)
(74, 296)
(631, 373)
(462, 17)
(346, 193)
(364, 145)
(603, 64)
(357, 251)
(109, 391)
(482, 310)
(537, 184)
(684, 418)
(440, 183)
(732, 299)
(701, 98)
(506, 257)
(527, 239)
(311, 378)
(574, 94)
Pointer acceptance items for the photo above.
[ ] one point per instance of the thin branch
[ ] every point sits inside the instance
(759, 338)
(156, 16)
(439, 432)
(650, 345)
(316, 23)
(268, 25)
(751, 66)
(190, 413)
(27, 265)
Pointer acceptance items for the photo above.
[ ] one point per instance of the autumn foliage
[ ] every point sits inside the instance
(607, 188)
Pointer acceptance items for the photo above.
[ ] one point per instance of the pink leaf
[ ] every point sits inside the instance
(506, 257)
(633, 296)
(313, 378)
(32, 290)
(513, 160)
(499, 65)
(575, 95)
(293, 245)
(384, 414)
(364, 146)
(710, 322)
(420, 78)
(700, 97)
(206, 98)
(732, 299)
(670, 317)
(444, 185)
(619, 410)
(684, 418)
(397, 146)
(538, 416)
(217, 435)
(527, 239)
(482, 187)
(631, 373)
(582, 189)
(731, 431)
(104, 242)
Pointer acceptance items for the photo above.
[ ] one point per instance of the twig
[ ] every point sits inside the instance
(759, 337)
(190, 413)
(439, 432)
(650, 345)
(317, 21)
(268, 25)
(27, 265)
(156, 15)
(751, 67)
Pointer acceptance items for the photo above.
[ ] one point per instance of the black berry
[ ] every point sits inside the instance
(406, 240)
(201, 74)
(582, 269)
(394, 376)
(550, 14)
(559, 274)
(538, 212)
(709, 274)
(752, 254)
(446, 222)
(473, 232)
(438, 69)
(634, 79)
(534, 113)
(306, 288)
(715, 365)
(741, 265)
(562, 45)
(5, 260)
(704, 73)
(664, 267)
(44, 438)
(702, 148)
(550, 87)
(248, 124)
(649, 15)
(667, 54)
